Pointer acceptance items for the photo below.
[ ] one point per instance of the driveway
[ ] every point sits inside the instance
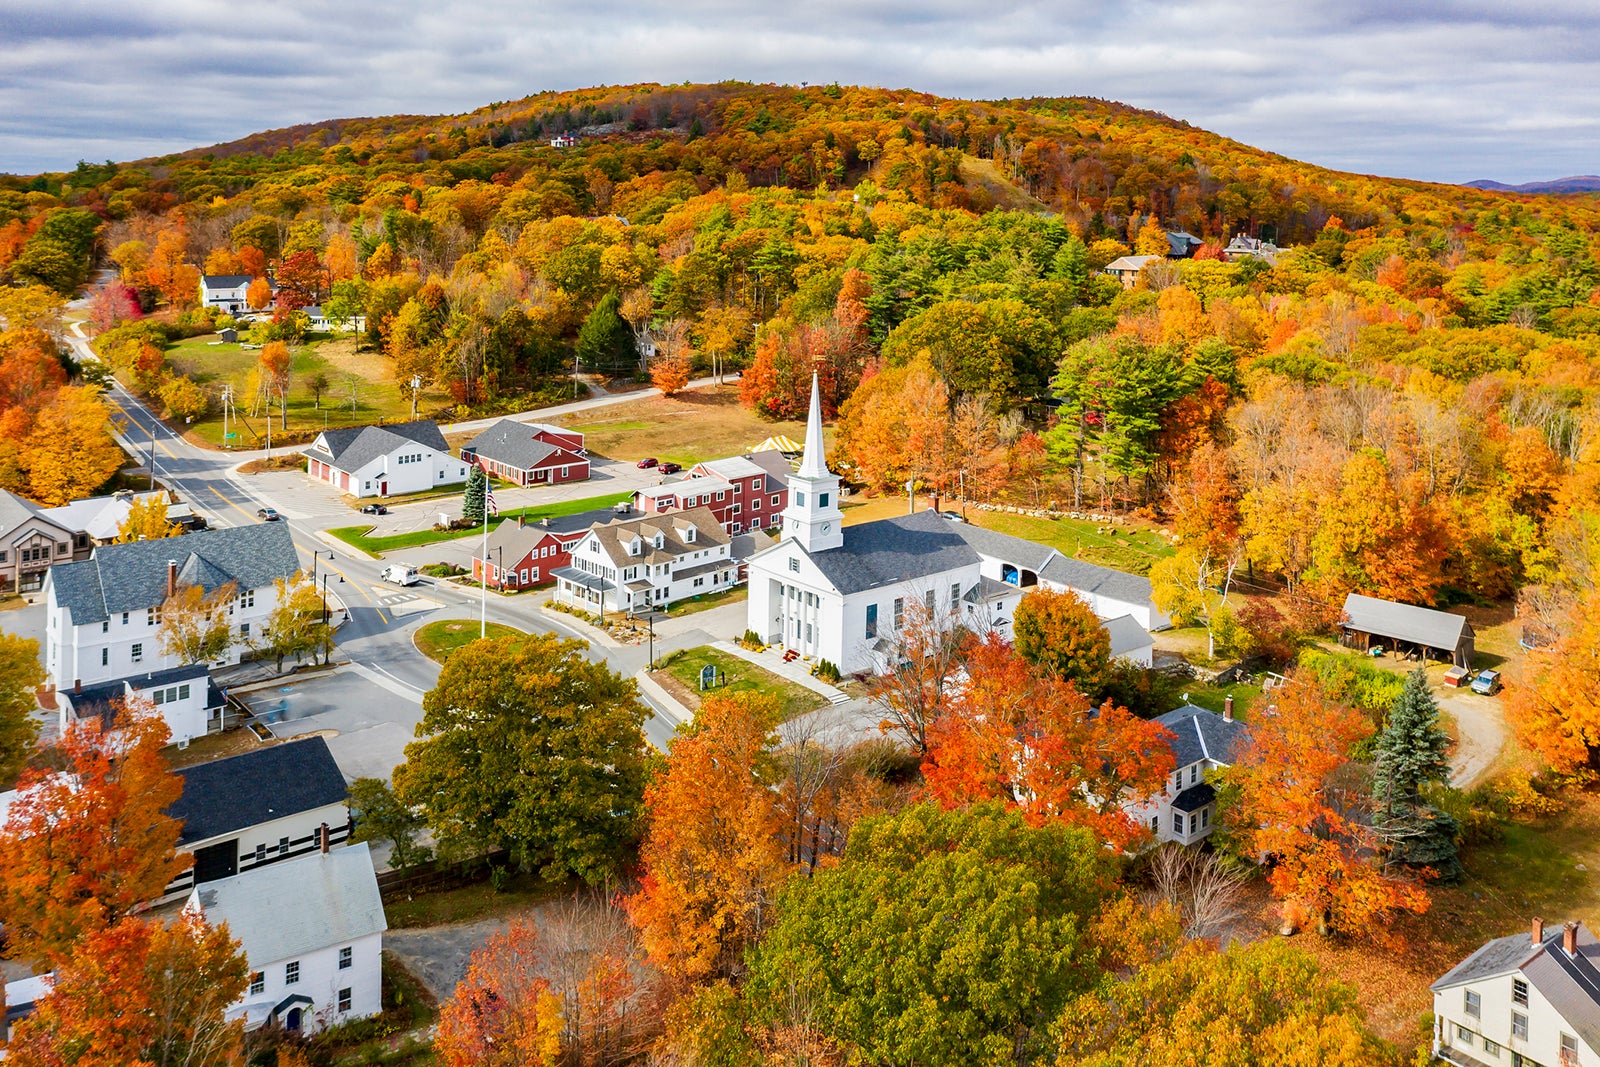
(366, 714)
(1480, 732)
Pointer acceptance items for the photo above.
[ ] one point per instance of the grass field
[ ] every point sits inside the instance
(687, 428)
(377, 395)
(738, 676)
(1128, 549)
(356, 536)
(521, 891)
(438, 639)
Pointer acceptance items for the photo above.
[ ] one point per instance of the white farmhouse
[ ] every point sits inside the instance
(229, 292)
(185, 697)
(1185, 809)
(258, 808)
(652, 561)
(1528, 999)
(841, 594)
(312, 934)
(404, 457)
(102, 618)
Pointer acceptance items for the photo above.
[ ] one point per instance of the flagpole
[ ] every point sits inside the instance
(483, 571)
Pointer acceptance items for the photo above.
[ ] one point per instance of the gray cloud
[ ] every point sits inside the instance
(1447, 90)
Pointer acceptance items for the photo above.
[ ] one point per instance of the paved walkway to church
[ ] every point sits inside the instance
(796, 671)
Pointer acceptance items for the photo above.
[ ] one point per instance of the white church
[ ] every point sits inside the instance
(837, 593)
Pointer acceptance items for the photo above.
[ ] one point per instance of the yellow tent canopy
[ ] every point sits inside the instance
(780, 443)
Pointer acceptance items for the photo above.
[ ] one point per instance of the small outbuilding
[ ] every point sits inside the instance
(1368, 622)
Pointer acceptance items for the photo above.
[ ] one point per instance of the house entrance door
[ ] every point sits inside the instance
(383, 488)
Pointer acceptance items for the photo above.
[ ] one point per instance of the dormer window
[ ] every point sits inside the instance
(660, 541)
(635, 547)
(688, 535)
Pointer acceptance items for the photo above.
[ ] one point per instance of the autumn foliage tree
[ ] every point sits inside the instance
(1028, 737)
(83, 847)
(711, 856)
(1283, 798)
(147, 521)
(503, 1013)
(1554, 696)
(20, 674)
(144, 991)
(1056, 632)
(194, 624)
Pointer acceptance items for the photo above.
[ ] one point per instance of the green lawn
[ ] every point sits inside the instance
(377, 395)
(438, 639)
(356, 536)
(1129, 549)
(475, 901)
(707, 601)
(740, 676)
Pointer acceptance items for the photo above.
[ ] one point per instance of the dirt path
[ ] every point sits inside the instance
(1481, 734)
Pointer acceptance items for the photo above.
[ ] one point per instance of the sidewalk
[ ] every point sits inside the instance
(793, 671)
(675, 713)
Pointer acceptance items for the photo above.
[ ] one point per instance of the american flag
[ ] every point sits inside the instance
(488, 502)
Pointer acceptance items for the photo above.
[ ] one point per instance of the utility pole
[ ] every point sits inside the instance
(227, 397)
(416, 384)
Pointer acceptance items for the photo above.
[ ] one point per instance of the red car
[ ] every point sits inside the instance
(647, 462)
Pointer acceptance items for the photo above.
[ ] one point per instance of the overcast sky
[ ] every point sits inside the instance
(1447, 91)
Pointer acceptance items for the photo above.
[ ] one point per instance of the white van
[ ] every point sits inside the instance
(400, 574)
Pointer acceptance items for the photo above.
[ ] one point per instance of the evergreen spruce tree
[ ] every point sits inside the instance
(473, 503)
(605, 342)
(1409, 754)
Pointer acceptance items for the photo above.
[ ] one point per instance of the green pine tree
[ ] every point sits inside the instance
(1409, 754)
(473, 502)
(605, 342)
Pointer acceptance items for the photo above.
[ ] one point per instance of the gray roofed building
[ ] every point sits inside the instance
(294, 908)
(14, 509)
(1128, 638)
(511, 443)
(225, 281)
(1017, 550)
(255, 787)
(353, 447)
(1536, 993)
(894, 550)
(1199, 734)
(1365, 618)
(101, 517)
(1092, 578)
(133, 577)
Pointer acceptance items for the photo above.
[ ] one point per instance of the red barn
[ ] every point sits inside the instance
(529, 453)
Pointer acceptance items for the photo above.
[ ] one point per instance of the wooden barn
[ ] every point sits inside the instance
(1368, 622)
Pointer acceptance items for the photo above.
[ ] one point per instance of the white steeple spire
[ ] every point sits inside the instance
(813, 517)
(814, 464)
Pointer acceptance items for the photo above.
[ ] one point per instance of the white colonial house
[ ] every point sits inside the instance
(393, 460)
(1528, 1000)
(226, 291)
(830, 592)
(102, 614)
(312, 935)
(185, 697)
(648, 562)
(1203, 741)
(256, 809)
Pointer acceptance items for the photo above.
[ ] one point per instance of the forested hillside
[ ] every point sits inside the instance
(1402, 403)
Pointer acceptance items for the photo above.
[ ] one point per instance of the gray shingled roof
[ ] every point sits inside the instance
(288, 909)
(133, 577)
(1015, 550)
(1571, 985)
(225, 281)
(891, 551)
(1406, 622)
(353, 447)
(256, 787)
(96, 700)
(1126, 634)
(1200, 734)
(1103, 581)
(1194, 798)
(511, 443)
(15, 510)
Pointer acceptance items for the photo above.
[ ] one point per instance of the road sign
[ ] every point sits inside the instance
(708, 677)
(230, 436)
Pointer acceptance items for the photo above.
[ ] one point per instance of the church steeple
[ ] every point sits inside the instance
(813, 517)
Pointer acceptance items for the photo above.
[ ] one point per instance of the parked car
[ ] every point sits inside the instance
(1456, 677)
(374, 509)
(647, 462)
(1487, 683)
(400, 574)
(267, 514)
(192, 522)
(951, 516)
(670, 468)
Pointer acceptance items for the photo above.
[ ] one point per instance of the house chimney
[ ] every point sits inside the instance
(1569, 939)
(77, 685)
(172, 577)
(1538, 932)
(522, 520)
(323, 837)
(1227, 709)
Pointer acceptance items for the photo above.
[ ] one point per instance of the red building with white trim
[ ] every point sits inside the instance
(524, 554)
(746, 492)
(529, 453)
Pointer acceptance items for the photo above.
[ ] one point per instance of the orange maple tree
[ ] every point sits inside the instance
(1030, 738)
(1281, 801)
(83, 846)
(712, 856)
(503, 1013)
(1553, 699)
(140, 992)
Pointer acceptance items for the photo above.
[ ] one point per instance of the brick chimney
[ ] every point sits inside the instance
(324, 837)
(172, 577)
(77, 685)
(1538, 932)
(1569, 939)
(1227, 709)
